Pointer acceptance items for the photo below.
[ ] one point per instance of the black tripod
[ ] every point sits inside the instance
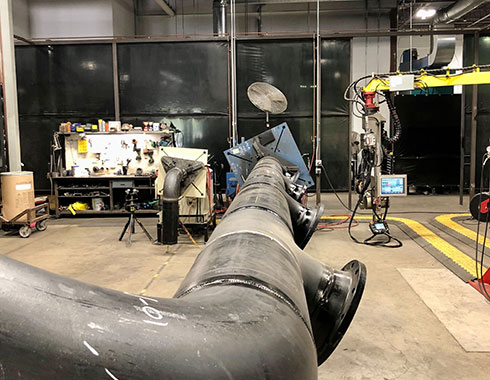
(131, 197)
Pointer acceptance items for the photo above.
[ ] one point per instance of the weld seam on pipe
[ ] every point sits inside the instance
(291, 257)
(260, 208)
(253, 233)
(261, 182)
(249, 282)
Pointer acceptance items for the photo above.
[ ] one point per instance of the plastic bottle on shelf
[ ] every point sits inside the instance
(101, 125)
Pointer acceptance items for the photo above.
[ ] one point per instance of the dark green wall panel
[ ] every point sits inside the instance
(335, 152)
(335, 76)
(65, 79)
(173, 78)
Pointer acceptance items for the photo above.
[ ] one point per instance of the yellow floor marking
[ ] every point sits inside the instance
(464, 261)
(448, 221)
(154, 276)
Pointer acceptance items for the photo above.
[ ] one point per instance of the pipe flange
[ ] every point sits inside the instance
(336, 308)
(305, 223)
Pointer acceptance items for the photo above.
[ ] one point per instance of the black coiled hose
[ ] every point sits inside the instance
(397, 125)
(388, 164)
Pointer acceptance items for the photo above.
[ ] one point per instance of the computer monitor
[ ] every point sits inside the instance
(392, 185)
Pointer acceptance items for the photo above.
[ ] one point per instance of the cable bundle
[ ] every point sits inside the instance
(479, 260)
(397, 125)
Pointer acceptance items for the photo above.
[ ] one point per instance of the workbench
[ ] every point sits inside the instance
(110, 188)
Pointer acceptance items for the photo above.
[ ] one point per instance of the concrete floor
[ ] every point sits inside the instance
(393, 336)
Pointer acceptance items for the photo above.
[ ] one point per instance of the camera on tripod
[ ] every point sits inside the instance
(131, 198)
(130, 206)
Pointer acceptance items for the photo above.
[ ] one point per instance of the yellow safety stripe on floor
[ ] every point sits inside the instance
(448, 250)
(144, 290)
(447, 220)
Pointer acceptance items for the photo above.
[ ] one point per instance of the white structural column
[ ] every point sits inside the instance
(10, 85)
(234, 106)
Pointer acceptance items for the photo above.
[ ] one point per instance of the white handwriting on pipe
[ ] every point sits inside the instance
(111, 374)
(90, 348)
(155, 315)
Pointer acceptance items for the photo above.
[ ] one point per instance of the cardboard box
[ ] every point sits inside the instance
(17, 193)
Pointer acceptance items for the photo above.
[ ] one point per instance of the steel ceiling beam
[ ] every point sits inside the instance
(336, 3)
(167, 8)
(250, 36)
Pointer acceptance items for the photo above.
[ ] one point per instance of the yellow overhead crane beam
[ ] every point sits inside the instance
(424, 79)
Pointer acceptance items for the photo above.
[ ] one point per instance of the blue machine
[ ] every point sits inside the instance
(231, 184)
(277, 141)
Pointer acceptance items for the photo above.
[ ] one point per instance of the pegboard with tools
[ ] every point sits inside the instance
(114, 153)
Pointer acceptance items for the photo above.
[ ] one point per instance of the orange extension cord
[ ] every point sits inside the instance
(338, 225)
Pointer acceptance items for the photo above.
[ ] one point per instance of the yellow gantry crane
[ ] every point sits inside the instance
(424, 79)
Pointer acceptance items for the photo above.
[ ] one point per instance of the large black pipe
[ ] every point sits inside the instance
(170, 205)
(178, 174)
(253, 306)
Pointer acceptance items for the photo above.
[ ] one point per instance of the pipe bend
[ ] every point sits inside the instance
(172, 184)
(267, 267)
(253, 306)
(52, 327)
(172, 188)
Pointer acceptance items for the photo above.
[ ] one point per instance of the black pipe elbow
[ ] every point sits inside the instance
(172, 184)
(305, 221)
(172, 188)
(179, 173)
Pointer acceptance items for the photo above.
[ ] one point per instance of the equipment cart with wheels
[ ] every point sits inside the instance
(34, 218)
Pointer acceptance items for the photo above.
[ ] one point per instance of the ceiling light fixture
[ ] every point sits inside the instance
(425, 13)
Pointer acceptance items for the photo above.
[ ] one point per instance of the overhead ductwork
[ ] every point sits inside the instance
(219, 17)
(220, 8)
(457, 10)
(253, 306)
(443, 48)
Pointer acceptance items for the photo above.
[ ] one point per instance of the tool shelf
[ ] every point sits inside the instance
(113, 187)
(61, 188)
